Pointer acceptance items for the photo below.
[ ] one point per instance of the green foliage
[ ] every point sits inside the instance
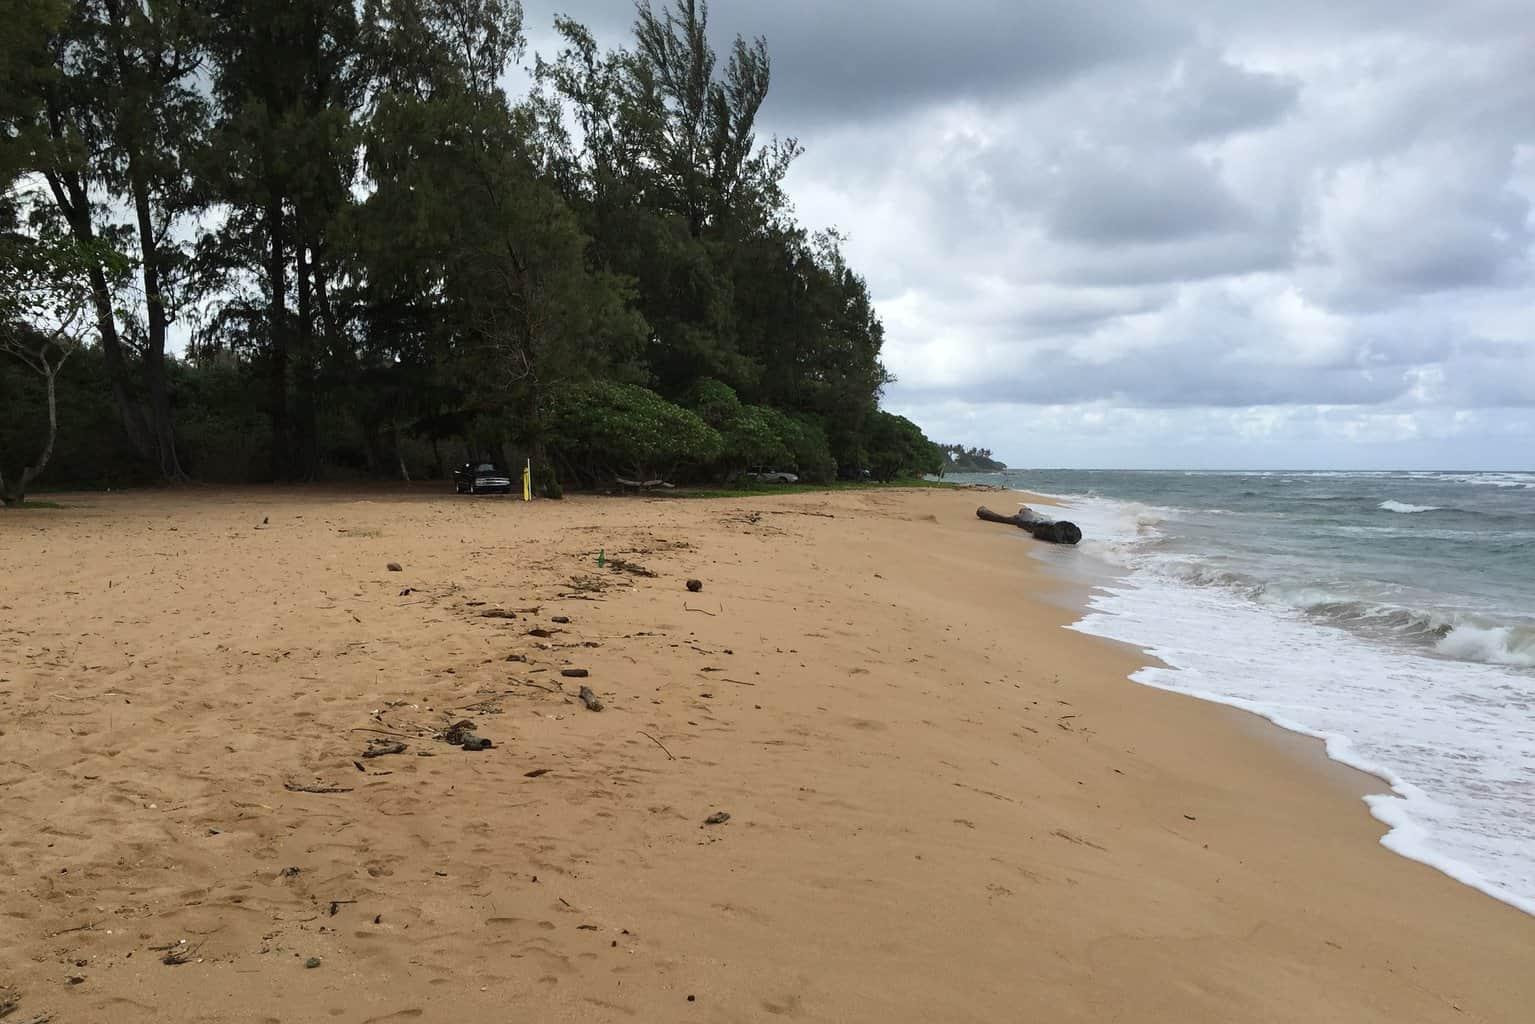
(751, 441)
(26, 72)
(91, 450)
(717, 403)
(897, 447)
(959, 459)
(808, 451)
(546, 482)
(601, 430)
(225, 433)
(388, 263)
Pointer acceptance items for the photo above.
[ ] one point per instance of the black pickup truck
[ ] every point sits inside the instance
(481, 478)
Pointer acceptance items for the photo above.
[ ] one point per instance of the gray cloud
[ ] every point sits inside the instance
(1121, 197)
(1188, 228)
(1210, 97)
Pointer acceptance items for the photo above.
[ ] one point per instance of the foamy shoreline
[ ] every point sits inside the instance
(1171, 628)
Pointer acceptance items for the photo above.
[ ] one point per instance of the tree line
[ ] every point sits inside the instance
(375, 260)
(959, 459)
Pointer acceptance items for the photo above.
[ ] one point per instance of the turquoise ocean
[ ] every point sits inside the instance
(1391, 614)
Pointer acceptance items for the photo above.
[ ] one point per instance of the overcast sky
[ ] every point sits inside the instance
(1189, 234)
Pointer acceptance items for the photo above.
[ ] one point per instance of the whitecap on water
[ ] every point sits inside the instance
(1402, 506)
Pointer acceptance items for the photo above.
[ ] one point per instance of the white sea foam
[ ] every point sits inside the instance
(1402, 506)
(1454, 740)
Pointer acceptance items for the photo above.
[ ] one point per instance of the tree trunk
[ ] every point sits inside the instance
(162, 431)
(1042, 527)
(18, 494)
(277, 323)
(307, 443)
(161, 435)
(70, 196)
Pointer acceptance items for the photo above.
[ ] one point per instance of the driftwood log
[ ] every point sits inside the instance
(1056, 531)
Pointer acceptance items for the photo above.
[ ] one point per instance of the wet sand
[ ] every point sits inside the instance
(943, 806)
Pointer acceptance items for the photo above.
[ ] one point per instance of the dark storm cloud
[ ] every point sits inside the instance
(836, 61)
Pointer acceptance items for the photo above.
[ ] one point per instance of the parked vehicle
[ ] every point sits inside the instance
(481, 478)
(771, 476)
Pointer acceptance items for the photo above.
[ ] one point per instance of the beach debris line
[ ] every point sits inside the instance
(299, 787)
(379, 747)
(1056, 531)
(177, 953)
(461, 734)
(589, 698)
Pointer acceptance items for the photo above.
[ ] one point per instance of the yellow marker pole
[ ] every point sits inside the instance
(527, 481)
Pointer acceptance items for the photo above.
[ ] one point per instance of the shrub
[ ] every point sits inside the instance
(715, 402)
(751, 440)
(897, 447)
(805, 444)
(546, 482)
(601, 430)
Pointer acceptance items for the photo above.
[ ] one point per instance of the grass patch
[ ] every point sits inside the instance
(37, 504)
(768, 490)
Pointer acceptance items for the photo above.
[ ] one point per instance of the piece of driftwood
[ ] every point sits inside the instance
(669, 755)
(1056, 531)
(589, 698)
(299, 787)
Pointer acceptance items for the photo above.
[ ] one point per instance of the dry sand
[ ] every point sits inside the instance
(943, 807)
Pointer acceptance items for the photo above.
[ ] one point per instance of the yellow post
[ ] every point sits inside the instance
(527, 481)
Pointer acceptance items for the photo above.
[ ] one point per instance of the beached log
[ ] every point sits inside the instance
(1056, 531)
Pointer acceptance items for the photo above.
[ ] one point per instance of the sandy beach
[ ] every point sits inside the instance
(942, 805)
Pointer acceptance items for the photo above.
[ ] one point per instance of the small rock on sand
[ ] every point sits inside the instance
(394, 567)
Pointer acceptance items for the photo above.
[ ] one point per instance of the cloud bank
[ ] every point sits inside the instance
(1196, 234)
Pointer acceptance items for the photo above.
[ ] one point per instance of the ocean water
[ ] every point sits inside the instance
(1390, 614)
